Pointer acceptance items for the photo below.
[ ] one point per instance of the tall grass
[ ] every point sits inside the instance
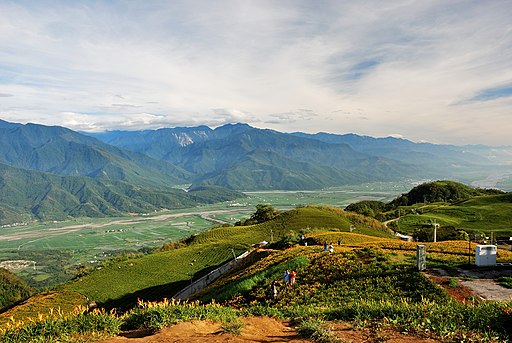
(83, 325)
(60, 327)
(155, 315)
(451, 320)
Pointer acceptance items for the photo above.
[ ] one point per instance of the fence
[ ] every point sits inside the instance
(204, 281)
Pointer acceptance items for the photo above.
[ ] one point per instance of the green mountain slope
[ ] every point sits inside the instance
(33, 195)
(63, 152)
(241, 157)
(267, 170)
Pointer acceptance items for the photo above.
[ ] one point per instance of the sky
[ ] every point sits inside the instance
(437, 71)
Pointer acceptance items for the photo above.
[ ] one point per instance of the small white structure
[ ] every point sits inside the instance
(485, 255)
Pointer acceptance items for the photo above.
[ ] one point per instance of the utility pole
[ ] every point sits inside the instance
(271, 236)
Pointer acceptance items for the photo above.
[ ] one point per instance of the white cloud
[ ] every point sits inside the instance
(404, 67)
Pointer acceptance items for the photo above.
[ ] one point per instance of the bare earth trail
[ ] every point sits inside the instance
(259, 329)
(42, 233)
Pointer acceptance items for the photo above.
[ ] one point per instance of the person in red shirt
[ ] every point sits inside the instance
(293, 275)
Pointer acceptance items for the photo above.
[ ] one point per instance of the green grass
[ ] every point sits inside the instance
(318, 331)
(357, 283)
(163, 274)
(364, 286)
(478, 214)
(505, 281)
(90, 246)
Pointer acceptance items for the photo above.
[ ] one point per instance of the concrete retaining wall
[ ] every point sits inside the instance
(204, 281)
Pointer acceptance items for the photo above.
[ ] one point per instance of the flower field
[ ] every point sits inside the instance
(363, 284)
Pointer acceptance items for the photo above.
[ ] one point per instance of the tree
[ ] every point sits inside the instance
(264, 212)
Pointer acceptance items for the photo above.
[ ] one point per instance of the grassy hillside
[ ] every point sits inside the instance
(369, 282)
(446, 191)
(12, 289)
(453, 205)
(478, 214)
(162, 274)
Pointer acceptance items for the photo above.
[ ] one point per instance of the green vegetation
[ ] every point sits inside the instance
(164, 273)
(365, 286)
(38, 196)
(481, 214)
(458, 209)
(264, 213)
(86, 242)
(440, 191)
(317, 330)
(154, 316)
(505, 281)
(58, 326)
(368, 286)
(368, 279)
(12, 289)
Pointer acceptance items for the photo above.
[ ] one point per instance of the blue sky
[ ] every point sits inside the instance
(437, 71)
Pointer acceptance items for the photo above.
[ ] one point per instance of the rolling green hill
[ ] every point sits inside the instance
(453, 205)
(370, 282)
(447, 191)
(485, 214)
(162, 274)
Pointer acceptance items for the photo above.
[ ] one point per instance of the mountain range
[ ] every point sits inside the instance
(52, 169)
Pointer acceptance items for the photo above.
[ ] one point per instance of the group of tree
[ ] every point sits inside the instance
(264, 212)
(440, 191)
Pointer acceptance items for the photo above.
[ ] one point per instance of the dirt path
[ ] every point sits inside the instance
(265, 330)
(255, 329)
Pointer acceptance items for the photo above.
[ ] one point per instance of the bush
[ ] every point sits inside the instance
(317, 330)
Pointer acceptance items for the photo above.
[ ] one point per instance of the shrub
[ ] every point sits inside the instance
(317, 330)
